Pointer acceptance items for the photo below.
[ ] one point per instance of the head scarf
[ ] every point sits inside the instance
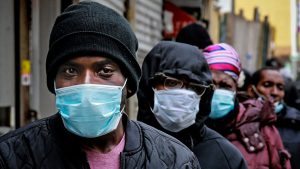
(224, 58)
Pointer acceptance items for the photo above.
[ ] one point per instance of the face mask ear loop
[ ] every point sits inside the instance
(234, 93)
(154, 90)
(124, 84)
(122, 110)
(54, 85)
(260, 96)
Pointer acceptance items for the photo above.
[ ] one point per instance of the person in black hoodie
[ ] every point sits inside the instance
(174, 96)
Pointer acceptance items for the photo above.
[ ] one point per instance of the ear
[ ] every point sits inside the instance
(250, 91)
(124, 96)
(128, 91)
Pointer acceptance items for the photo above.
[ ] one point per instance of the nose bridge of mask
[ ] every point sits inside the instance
(122, 87)
(171, 92)
(89, 94)
(222, 97)
(225, 93)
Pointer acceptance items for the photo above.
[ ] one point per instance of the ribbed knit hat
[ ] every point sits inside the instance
(194, 34)
(91, 29)
(223, 57)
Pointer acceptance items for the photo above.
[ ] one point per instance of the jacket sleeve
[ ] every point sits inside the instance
(234, 158)
(280, 158)
(2, 166)
(192, 164)
(195, 162)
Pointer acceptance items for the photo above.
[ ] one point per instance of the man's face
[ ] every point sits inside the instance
(271, 85)
(223, 81)
(89, 70)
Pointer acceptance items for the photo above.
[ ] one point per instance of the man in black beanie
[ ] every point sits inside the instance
(92, 69)
(194, 34)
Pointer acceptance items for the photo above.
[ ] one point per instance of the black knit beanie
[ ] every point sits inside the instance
(91, 29)
(194, 34)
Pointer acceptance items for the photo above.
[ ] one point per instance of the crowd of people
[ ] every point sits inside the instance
(197, 106)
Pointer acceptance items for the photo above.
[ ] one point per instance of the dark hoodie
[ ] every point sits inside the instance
(183, 60)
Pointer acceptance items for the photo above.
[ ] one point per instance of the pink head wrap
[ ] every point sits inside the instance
(223, 57)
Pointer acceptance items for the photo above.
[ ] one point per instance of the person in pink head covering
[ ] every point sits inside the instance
(248, 125)
(223, 57)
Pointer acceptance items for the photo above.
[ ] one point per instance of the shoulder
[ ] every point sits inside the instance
(292, 112)
(166, 146)
(155, 134)
(216, 141)
(28, 131)
(289, 117)
(219, 148)
(25, 138)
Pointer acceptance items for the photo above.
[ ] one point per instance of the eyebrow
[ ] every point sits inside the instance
(101, 62)
(105, 62)
(69, 63)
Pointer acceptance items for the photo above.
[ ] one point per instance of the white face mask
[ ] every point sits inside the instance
(175, 109)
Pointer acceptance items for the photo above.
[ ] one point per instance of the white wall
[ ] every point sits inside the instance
(44, 13)
(7, 54)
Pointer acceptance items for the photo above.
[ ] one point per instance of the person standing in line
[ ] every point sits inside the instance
(248, 125)
(194, 34)
(174, 96)
(269, 83)
(92, 70)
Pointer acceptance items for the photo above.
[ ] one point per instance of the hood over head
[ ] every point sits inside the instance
(173, 59)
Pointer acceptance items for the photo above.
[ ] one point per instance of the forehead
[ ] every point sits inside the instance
(219, 76)
(271, 76)
(89, 59)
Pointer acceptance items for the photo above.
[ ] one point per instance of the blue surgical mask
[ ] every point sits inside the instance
(278, 107)
(222, 103)
(90, 110)
(175, 109)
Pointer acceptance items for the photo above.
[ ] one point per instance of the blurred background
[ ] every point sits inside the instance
(259, 30)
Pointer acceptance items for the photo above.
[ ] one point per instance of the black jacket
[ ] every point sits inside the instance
(288, 125)
(214, 151)
(181, 60)
(45, 144)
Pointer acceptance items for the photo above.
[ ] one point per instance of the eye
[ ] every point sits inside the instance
(226, 86)
(267, 84)
(198, 89)
(105, 72)
(280, 87)
(70, 71)
(172, 83)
